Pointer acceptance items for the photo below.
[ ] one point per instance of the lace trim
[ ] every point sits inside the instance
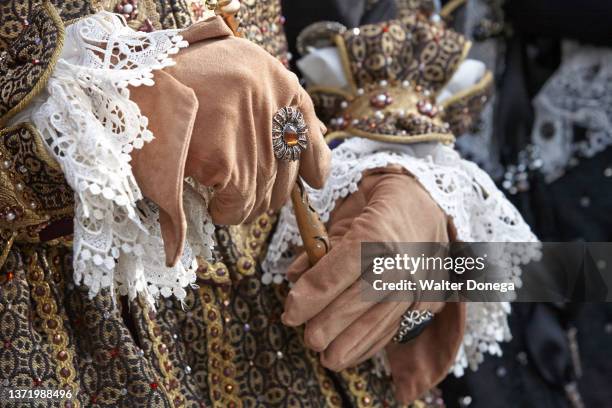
(91, 126)
(479, 211)
(579, 94)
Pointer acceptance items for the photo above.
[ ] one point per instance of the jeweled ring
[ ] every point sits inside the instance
(289, 134)
(412, 324)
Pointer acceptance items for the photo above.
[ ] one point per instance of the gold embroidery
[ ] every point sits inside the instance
(217, 272)
(461, 111)
(248, 243)
(170, 384)
(30, 61)
(6, 244)
(52, 324)
(255, 243)
(325, 384)
(223, 391)
(395, 70)
(143, 13)
(32, 186)
(428, 137)
(357, 386)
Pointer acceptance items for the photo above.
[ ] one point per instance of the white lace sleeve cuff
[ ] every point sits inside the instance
(479, 211)
(90, 125)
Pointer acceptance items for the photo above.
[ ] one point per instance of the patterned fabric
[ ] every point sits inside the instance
(408, 8)
(174, 13)
(54, 337)
(395, 70)
(261, 22)
(29, 49)
(328, 104)
(141, 15)
(223, 346)
(412, 49)
(32, 35)
(33, 191)
(462, 111)
(13, 13)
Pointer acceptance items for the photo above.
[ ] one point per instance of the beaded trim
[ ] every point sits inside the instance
(357, 387)
(428, 137)
(394, 103)
(160, 350)
(461, 111)
(248, 243)
(220, 367)
(52, 324)
(32, 186)
(325, 384)
(213, 272)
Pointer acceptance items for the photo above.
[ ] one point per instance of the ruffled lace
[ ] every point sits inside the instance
(91, 126)
(578, 95)
(479, 211)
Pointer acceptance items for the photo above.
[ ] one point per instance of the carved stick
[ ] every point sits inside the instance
(313, 232)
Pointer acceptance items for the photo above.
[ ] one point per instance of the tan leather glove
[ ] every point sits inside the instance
(211, 115)
(390, 206)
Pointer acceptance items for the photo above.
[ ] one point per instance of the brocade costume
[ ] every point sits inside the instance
(79, 315)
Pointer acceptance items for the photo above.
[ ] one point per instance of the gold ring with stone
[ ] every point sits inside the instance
(289, 134)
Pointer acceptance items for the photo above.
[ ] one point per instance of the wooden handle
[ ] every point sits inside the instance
(312, 230)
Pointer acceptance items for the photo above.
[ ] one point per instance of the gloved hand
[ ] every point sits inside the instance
(212, 116)
(390, 206)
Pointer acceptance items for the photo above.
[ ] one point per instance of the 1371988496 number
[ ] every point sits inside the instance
(34, 394)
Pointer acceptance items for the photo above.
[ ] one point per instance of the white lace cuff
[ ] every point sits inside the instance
(479, 211)
(90, 125)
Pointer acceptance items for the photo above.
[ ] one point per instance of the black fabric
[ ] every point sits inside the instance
(557, 209)
(555, 213)
(530, 374)
(585, 20)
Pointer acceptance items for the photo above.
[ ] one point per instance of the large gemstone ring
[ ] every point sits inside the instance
(289, 134)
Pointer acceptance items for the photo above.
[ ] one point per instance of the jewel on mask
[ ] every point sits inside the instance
(127, 8)
(289, 134)
(381, 101)
(427, 108)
